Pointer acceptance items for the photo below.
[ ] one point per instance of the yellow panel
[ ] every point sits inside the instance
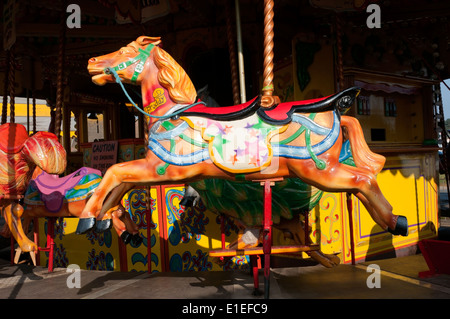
(90, 251)
(412, 192)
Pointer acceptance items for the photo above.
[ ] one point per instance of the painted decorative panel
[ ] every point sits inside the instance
(192, 233)
(90, 251)
(135, 202)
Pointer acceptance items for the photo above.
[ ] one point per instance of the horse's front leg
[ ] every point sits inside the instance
(114, 176)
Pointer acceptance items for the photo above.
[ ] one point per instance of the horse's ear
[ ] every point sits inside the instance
(144, 40)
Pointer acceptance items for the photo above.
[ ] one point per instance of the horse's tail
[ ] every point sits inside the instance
(362, 155)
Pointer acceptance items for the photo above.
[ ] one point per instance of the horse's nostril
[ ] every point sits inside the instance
(92, 60)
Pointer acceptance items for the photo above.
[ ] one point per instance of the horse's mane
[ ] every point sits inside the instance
(172, 76)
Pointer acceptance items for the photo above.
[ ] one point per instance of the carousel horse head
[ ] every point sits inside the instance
(143, 62)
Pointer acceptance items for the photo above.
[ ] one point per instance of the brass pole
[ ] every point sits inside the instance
(267, 99)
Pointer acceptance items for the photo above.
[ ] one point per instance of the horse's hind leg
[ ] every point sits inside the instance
(400, 222)
(362, 183)
(294, 229)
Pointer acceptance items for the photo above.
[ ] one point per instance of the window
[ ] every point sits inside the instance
(95, 131)
(74, 141)
(390, 108)
(363, 105)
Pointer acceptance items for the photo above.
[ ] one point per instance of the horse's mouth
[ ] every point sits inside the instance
(99, 77)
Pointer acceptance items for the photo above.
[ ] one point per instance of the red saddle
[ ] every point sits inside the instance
(279, 114)
(282, 113)
(225, 113)
(12, 137)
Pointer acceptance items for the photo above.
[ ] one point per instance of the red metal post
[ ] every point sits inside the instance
(255, 268)
(51, 242)
(267, 235)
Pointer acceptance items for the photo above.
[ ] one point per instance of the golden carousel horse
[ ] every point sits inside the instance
(189, 141)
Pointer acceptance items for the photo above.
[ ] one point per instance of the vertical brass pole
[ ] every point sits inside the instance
(267, 99)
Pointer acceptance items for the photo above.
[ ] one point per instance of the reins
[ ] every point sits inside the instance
(140, 59)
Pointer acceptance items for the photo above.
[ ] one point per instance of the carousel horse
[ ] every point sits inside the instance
(34, 163)
(50, 196)
(20, 155)
(189, 141)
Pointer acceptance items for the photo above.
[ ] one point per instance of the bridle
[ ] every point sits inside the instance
(140, 60)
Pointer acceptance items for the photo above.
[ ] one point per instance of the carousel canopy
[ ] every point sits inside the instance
(414, 34)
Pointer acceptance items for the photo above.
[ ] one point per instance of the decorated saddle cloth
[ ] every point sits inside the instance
(242, 146)
(238, 146)
(53, 192)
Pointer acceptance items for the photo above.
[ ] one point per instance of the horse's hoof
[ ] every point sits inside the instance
(126, 237)
(85, 225)
(401, 228)
(103, 225)
(136, 240)
(187, 201)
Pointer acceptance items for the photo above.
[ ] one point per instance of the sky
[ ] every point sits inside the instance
(446, 98)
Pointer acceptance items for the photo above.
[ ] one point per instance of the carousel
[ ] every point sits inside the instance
(223, 136)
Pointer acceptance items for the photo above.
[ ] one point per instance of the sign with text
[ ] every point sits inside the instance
(104, 155)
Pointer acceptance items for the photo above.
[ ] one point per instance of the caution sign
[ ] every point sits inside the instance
(104, 155)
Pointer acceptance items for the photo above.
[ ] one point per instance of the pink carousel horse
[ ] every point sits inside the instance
(189, 141)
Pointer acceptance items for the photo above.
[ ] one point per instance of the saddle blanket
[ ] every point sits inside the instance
(241, 146)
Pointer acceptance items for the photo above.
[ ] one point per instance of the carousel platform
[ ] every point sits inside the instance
(398, 280)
